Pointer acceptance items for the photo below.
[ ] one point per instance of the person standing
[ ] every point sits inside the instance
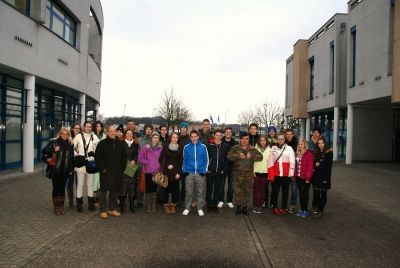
(111, 160)
(195, 164)
(243, 156)
(183, 140)
(146, 138)
(261, 175)
(99, 131)
(312, 143)
(253, 134)
(280, 171)
(217, 152)
(272, 136)
(61, 150)
(164, 138)
(85, 145)
(120, 133)
(205, 131)
(321, 181)
(303, 174)
(172, 168)
(149, 159)
(130, 124)
(230, 141)
(291, 140)
(75, 130)
(131, 146)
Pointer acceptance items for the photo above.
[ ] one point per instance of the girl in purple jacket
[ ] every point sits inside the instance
(303, 173)
(149, 159)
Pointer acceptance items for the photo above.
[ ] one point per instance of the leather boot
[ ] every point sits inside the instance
(121, 204)
(55, 204)
(79, 203)
(167, 209)
(238, 210)
(154, 202)
(131, 204)
(149, 199)
(245, 211)
(70, 192)
(91, 204)
(173, 208)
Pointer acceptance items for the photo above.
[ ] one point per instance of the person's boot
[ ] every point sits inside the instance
(70, 192)
(79, 203)
(131, 204)
(55, 204)
(91, 204)
(238, 210)
(172, 208)
(96, 200)
(121, 204)
(148, 202)
(154, 202)
(167, 209)
(245, 211)
(61, 201)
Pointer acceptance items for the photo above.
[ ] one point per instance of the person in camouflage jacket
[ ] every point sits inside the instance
(243, 155)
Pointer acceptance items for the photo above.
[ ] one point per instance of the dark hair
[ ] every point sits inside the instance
(227, 128)
(326, 146)
(317, 129)
(148, 126)
(205, 120)
(289, 130)
(87, 122)
(102, 129)
(172, 134)
(217, 130)
(266, 139)
(72, 129)
(194, 132)
(135, 140)
(161, 126)
(253, 125)
(130, 120)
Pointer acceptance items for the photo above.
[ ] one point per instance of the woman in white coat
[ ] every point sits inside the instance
(85, 145)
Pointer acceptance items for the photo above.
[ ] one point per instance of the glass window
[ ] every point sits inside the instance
(58, 26)
(13, 152)
(353, 47)
(48, 16)
(21, 5)
(13, 128)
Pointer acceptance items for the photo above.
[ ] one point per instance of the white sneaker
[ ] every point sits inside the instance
(220, 204)
(185, 212)
(201, 213)
(230, 205)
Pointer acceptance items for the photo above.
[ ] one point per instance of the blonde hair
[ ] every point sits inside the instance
(66, 130)
(305, 146)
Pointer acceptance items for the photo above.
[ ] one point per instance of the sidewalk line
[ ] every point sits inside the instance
(265, 259)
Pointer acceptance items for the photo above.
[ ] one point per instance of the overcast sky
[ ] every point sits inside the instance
(220, 56)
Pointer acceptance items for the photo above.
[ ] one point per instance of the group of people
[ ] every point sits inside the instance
(202, 168)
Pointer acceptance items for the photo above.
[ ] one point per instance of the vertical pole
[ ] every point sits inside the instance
(336, 121)
(28, 126)
(82, 102)
(350, 129)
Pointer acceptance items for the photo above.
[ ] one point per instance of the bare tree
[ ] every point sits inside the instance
(246, 117)
(269, 113)
(172, 110)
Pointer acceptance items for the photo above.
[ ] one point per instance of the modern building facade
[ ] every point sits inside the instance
(50, 73)
(345, 80)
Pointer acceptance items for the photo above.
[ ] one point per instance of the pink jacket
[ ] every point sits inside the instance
(149, 158)
(307, 165)
(282, 166)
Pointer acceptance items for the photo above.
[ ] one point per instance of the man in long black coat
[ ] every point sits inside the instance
(111, 160)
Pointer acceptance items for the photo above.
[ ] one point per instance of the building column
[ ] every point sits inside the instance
(82, 102)
(28, 151)
(350, 129)
(336, 121)
(96, 112)
(308, 129)
(302, 128)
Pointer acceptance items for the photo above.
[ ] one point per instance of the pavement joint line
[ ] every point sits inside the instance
(43, 249)
(265, 259)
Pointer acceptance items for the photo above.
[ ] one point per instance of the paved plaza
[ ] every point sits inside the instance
(360, 229)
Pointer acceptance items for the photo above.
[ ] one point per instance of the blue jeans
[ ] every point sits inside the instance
(293, 195)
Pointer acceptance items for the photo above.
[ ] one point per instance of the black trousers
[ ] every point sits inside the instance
(320, 198)
(214, 188)
(279, 182)
(304, 189)
(128, 189)
(108, 200)
(173, 189)
(151, 187)
(59, 181)
(183, 190)
(267, 195)
(229, 193)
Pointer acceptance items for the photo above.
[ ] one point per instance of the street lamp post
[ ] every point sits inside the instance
(123, 116)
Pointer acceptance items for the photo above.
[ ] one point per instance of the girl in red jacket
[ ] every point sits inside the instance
(303, 174)
(281, 164)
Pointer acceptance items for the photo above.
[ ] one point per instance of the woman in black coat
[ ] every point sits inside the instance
(111, 160)
(321, 180)
(172, 168)
(59, 155)
(131, 145)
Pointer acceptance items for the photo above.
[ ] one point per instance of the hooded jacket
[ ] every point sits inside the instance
(217, 157)
(149, 158)
(281, 162)
(195, 158)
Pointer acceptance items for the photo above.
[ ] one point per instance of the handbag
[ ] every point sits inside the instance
(142, 182)
(160, 179)
(130, 170)
(79, 161)
(91, 167)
